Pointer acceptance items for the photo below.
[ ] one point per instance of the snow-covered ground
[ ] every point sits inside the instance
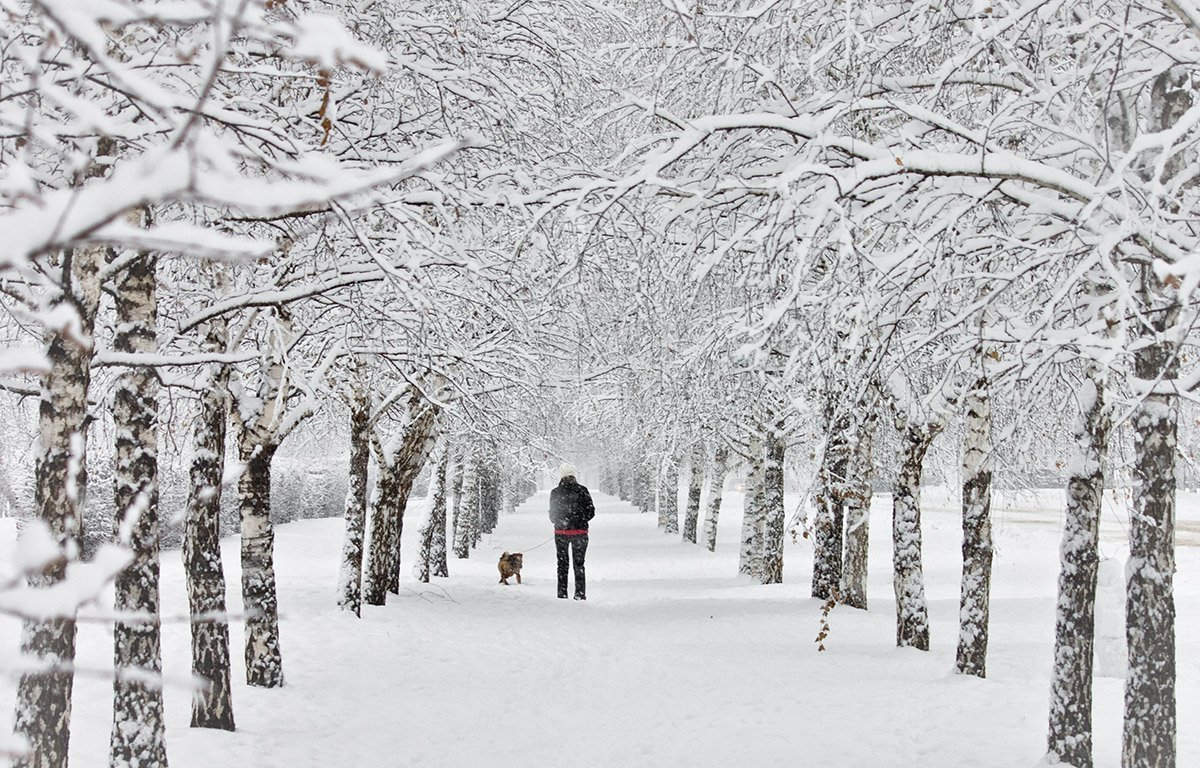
(672, 661)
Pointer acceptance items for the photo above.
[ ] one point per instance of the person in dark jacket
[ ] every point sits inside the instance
(571, 510)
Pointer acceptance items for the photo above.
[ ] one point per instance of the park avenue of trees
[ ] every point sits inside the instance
(800, 242)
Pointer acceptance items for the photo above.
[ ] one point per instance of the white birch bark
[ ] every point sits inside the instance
(856, 501)
(828, 511)
(912, 612)
(1070, 721)
(350, 573)
(43, 701)
(468, 508)
(750, 554)
(971, 657)
(138, 736)
(691, 515)
(212, 705)
(668, 498)
(773, 512)
(716, 488)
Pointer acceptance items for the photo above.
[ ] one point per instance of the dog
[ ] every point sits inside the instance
(510, 565)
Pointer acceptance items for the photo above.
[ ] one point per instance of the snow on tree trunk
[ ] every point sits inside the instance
(264, 658)
(43, 702)
(669, 497)
(971, 658)
(468, 509)
(1150, 717)
(212, 705)
(828, 512)
(750, 556)
(772, 511)
(716, 488)
(350, 576)
(691, 517)
(856, 501)
(138, 732)
(418, 443)
(912, 613)
(1070, 728)
(433, 535)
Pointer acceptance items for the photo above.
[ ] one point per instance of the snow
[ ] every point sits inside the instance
(673, 660)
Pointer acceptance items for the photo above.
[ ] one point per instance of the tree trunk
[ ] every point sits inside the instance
(264, 658)
(828, 514)
(350, 576)
(433, 534)
(856, 501)
(489, 495)
(43, 702)
(691, 517)
(375, 578)
(456, 519)
(1150, 716)
(138, 734)
(912, 613)
(669, 497)
(212, 706)
(1070, 733)
(773, 510)
(716, 488)
(468, 509)
(750, 557)
(418, 442)
(439, 564)
(977, 533)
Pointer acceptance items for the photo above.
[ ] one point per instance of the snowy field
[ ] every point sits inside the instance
(672, 661)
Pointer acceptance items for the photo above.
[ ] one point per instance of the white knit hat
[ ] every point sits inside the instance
(566, 469)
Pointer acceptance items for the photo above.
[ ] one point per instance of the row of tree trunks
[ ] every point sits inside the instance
(716, 488)
(138, 731)
(43, 702)
(212, 704)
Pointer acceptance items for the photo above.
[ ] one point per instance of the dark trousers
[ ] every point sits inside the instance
(577, 545)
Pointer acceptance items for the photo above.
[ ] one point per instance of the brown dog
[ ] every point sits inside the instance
(510, 565)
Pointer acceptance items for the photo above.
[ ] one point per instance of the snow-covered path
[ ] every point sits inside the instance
(672, 661)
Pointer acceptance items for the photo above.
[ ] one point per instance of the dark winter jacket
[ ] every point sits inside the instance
(571, 506)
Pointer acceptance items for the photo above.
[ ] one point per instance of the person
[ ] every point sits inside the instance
(571, 510)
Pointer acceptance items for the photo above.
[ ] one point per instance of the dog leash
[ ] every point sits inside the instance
(544, 543)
